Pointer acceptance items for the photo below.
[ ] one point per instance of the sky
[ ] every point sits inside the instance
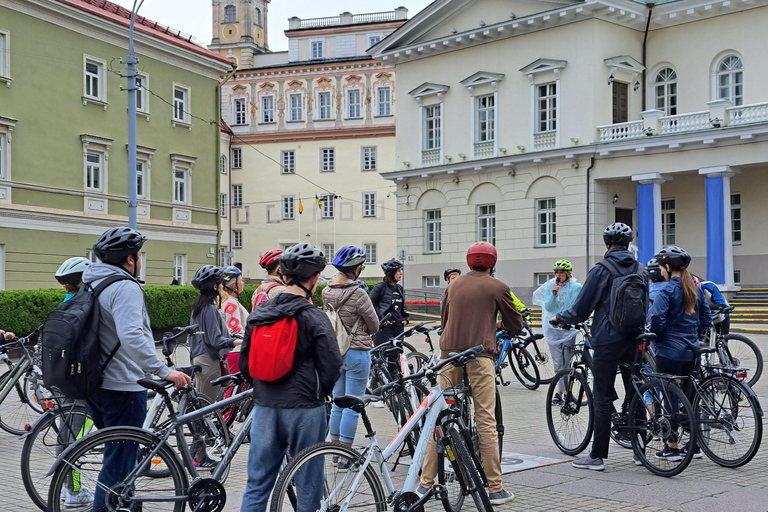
(194, 16)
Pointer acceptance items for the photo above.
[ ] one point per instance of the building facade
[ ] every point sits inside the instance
(63, 140)
(311, 129)
(656, 116)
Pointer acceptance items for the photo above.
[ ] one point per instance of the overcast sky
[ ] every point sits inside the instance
(194, 16)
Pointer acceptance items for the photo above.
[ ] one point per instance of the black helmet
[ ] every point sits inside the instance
(654, 271)
(449, 271)
(675, 257)
(391, 266)
(117, 243)
(207, 276)
(302, 261)
(617, 233)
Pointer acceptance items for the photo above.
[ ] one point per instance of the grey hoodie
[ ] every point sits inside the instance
(124, 318)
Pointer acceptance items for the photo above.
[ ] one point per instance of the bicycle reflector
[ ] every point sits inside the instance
(741, 375)
(47, 405)
(641, 347)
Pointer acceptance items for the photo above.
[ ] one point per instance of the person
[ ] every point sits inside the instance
(70, 275)
(234, 313)
(656, 279)
(359, 318)
(290, 413)
(610, 346)
(388, 298)
(273, 284)
(678, 317)
(450, 274)
(124, 328)
(715, 301)
(469, 314)
(7, 336)
(554, 296)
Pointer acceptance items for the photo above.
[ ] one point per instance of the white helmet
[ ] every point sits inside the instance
(71, 271)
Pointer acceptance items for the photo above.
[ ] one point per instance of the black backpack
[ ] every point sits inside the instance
(71, 344)
(628, 301)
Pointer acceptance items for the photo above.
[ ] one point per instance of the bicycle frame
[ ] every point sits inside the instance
(17, 371)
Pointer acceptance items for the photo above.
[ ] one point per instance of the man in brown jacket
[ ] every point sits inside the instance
(470, 309)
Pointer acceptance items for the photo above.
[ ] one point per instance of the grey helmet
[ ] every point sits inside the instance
(302, 261)
(207, 276)
(117, 243)
(617, 233)
(71, 271)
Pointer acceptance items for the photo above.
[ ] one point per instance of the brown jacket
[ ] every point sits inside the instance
(357, 305)
(469, 313)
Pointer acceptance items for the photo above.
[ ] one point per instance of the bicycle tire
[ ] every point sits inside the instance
(655, 424)
(569, 429)
(454, 498)
(402, 410)
(499, 415)
(728, 415)
(323, 453)
(230, 414)
(524, 367)
(87, 456)
(417, 361)
(35, 392)
(17, 417)
(217, 440)
(464, 464)
(542, 358)
(745, 353)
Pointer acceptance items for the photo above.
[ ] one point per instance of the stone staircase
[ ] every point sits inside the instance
(751, 313)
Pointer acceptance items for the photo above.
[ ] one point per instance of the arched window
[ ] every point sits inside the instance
(665, 91)
(223, 164)
(257, 17)
(230, 14)
(730, 80)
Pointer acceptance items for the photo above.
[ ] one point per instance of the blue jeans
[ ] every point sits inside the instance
(111, 409)
(274, 433)
(355, 367)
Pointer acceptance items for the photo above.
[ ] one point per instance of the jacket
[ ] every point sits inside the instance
(469, 311)
(389, 298)
(653, 289)
(357, 306)
(235, 315)
(274, 291)
(674, 329)
(317, 363)
(595, 296)
(215, 339)
(553, 304)
(124, 320)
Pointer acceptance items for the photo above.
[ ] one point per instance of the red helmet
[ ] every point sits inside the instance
(270, 259)
(481, 255)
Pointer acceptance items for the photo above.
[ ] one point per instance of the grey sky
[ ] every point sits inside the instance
(194, 16)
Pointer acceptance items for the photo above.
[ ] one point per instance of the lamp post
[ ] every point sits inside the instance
(132, 60)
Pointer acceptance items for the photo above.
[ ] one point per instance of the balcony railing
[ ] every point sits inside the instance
(348, 19)
(545, 140)
(747, 114)
(430, 157)
(483, 149)
(620, 131)
(685, 122)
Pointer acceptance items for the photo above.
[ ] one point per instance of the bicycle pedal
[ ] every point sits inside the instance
(507, 383)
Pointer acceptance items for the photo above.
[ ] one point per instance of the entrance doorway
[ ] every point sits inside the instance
(624, 215)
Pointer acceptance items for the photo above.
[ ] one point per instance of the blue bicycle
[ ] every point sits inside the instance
(512, 352)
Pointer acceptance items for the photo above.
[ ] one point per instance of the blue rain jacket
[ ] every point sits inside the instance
(554, 304)
(674, 329)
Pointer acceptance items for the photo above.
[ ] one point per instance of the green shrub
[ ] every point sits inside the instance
(170, 306)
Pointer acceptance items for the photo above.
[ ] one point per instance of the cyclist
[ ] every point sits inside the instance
(554, 296)
(125, 331)
(234, 313)
(656, 279)
(273, 284)
(469, 314)
(450, 274)
(70, 275)
(518, 303)
(715, 301)
(290, 413)
(359, 318)
(388, 297)
(610, 346)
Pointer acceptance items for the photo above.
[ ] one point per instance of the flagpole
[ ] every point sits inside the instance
(335, 213)
(317, 201)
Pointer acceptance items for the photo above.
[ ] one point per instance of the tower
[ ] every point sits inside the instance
(240, 29)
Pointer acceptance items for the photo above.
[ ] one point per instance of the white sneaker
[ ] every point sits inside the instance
(77, 499)
(378, 405)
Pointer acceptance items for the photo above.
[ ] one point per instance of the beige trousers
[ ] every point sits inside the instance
(211, 370)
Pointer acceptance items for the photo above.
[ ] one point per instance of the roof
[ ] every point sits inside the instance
(122, 16)
(314, 62)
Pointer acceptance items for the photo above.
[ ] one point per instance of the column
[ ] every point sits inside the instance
(648, 215)
(717, 190)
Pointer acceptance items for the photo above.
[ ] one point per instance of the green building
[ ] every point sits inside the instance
(64, 134)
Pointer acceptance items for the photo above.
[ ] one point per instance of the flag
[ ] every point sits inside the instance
(301, 208)
(318, 203)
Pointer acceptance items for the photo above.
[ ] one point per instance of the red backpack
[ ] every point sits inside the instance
(262, 294)
(272, 349)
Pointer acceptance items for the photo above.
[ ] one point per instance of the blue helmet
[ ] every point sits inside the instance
(349, 257)
(231, 273)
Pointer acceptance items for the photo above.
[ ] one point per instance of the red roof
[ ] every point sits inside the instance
(122, 16)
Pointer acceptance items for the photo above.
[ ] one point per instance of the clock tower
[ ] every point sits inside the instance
(240, 29)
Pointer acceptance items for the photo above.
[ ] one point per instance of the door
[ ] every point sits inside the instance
(624, 215)
(620, 102)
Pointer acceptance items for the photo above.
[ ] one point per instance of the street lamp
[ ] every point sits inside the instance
(132, 61)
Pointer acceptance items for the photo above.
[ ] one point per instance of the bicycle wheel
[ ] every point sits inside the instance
(35, 392)
(464, 465)
(447, 477)
(48, 437)
(317, 461)
(417, 361)
(662, 423)
(17, 416)
(524, 367)
(231, 413)
(499, 423)
(87, 457)
(571, 421)
(728, 420)
(539, 349)
(742, 352)
(207, 436)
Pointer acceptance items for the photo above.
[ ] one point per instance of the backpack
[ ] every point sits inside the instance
(71, 349)
(343, 337)
(273, 349)
(628, 300)
(262, 295)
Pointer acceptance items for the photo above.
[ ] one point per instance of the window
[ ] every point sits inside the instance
(432, 231)
(288, 202)
(2, 267)
(223, 207)
(93, 171)
(353, 103)
(316, 49)
(372, 40)
(327, 160)
(267, 109)
(665, 90)
(180, 268)
(180, 104)
(237, 196)
(329, 250)
(225, 259)
(486, 223)
(546, 222)
(142, 96)
(432, 127)
(383, 101)
(369, 204)
(737, 277)
(237, 158)
(230, 14)
(431, 281)
(296, 102)
(223, 164)
(237, 238)
(328, 205)
(736, 219)
(668, 222)
(142, 267)
(239, 111)
(730, 80)
(546, 107)
(289, 161)
(91, 256)
(141, 179)
(180, 186)
(324, 105)
(369, 158)
(620, 102)
(5, 60)
(371, 252)
(94, 76)
(485, 119)
(542, 278)
(257, 17)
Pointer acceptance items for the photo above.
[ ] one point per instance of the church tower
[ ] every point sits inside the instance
(240, 29)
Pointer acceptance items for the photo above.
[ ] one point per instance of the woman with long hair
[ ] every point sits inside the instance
(234, 313)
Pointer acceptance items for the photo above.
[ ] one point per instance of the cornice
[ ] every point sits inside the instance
(352, 132)
(311, 69)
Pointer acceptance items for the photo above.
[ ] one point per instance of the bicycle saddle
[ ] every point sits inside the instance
(189, 370)
(355, 403)
(699, 350)
(157, 386)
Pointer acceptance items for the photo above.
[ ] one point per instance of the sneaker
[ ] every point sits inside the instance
(346, 465)
(378, 405)
(637, 461)
(77, 499)
(670, 454)
(696, 453)
(501, 497)
(421, 490)
(207, 464)
(588, 462)
(557, 400)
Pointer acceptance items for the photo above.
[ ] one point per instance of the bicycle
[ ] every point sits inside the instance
(734, 351)
(361, 486)
(512, 353)
(17, 417)
(538, 348)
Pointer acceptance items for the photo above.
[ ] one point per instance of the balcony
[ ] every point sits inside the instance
(346, 18)
(483, 149)
(430, 157)
(545, 140)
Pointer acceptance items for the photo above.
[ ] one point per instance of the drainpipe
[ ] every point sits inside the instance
(645, 41)
(229, 170)
(589, 176)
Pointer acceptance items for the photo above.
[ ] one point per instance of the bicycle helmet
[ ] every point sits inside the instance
(563, 265)
(270, 259)
(348, 258)
(675, 257)
(207, 276)
(449, 271)
(391, 266)
(654, 271)
(481, 255)
(230, 273)
(115, 244)
(617, 233)
(302, 261)
(71, 271)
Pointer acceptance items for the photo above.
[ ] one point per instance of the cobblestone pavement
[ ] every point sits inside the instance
(704, 486)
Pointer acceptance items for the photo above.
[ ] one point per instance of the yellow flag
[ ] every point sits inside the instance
(301, 208)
